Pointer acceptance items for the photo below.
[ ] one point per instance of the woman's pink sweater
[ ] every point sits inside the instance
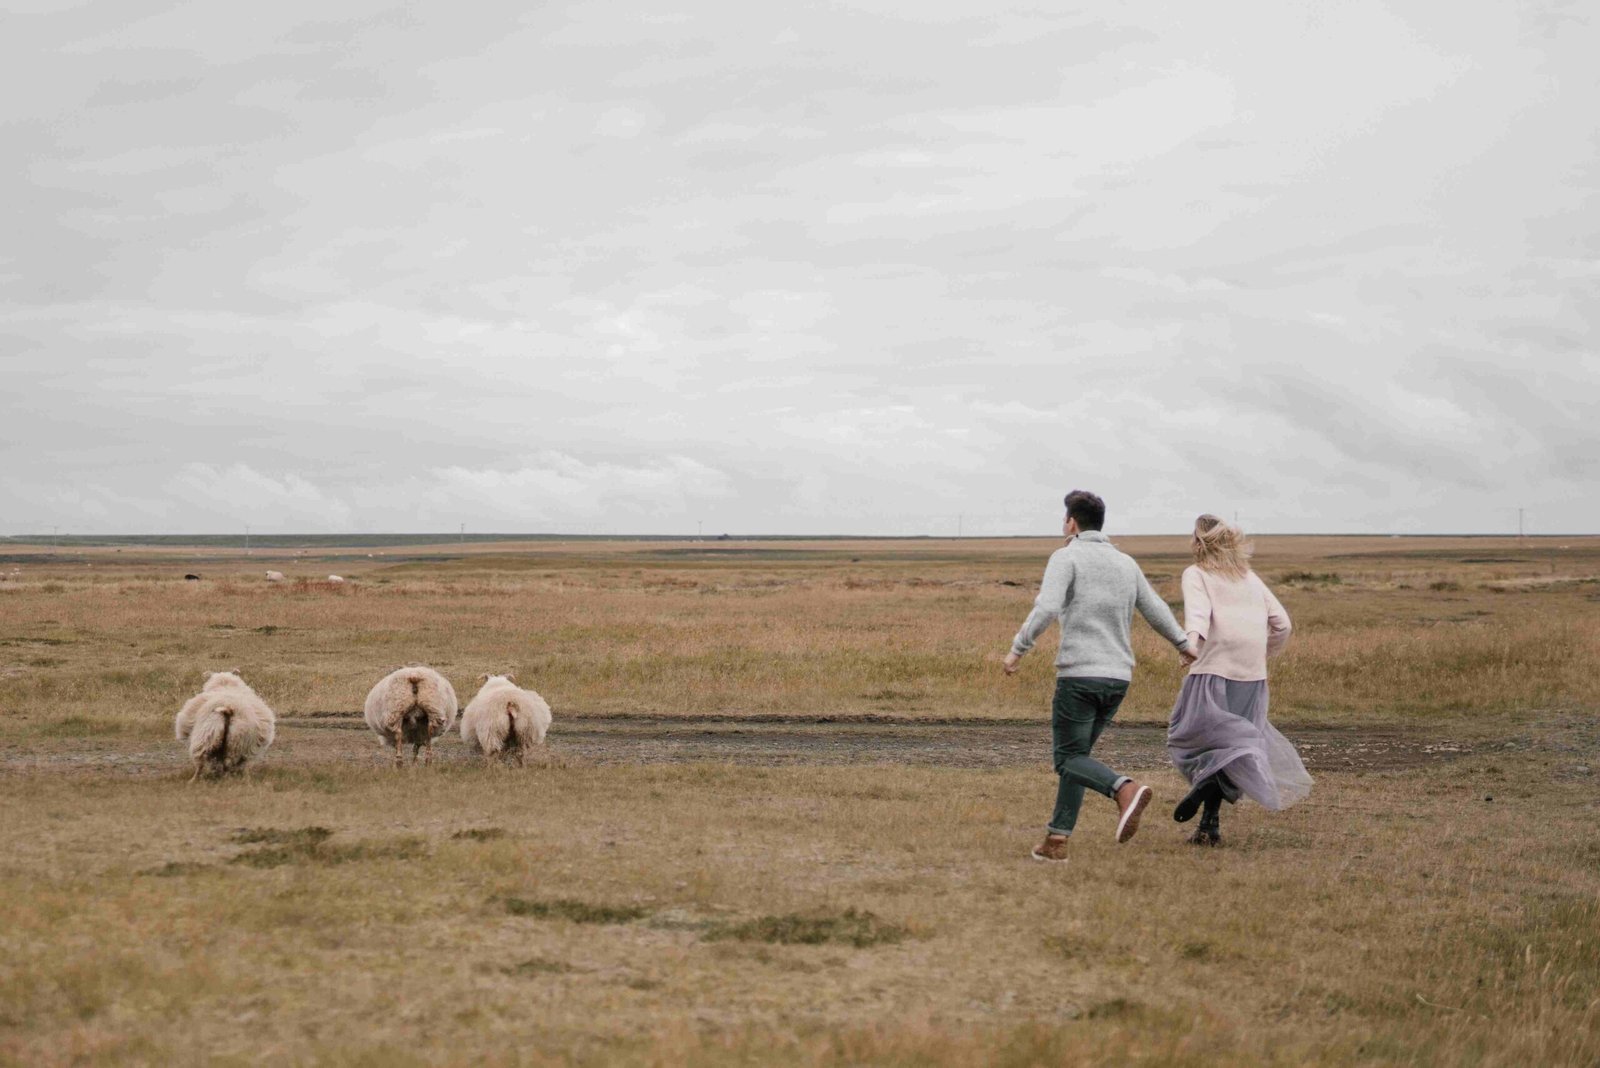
(1239, 623)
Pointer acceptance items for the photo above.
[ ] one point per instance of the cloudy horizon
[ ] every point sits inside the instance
(884, 268)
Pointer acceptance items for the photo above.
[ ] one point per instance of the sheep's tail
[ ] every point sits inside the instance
(210, 737)
(514, 715)
(415, 717)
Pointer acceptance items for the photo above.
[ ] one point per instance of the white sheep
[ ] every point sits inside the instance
(226, 724)
(274, 576)
(504, 721)
(335, 579)
(411, 706)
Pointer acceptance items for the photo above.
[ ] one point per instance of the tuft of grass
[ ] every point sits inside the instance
(576, 911)
(309, 845)
(293, 837)
(538, 966)
(850, 927)
(480, 834)
(176, 867)
(1311, 578)
(1444, 586)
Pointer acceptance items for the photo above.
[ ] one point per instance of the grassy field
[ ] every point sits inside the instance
(1451, 630)
(328, 910)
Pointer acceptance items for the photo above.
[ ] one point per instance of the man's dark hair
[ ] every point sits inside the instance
(1088, 509)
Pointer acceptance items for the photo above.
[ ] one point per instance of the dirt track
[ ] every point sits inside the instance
(310, 740)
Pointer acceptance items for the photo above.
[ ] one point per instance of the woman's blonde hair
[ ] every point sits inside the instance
(1220, 548)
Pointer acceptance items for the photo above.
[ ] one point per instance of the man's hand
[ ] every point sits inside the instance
(1011, 662)
(1186, 654)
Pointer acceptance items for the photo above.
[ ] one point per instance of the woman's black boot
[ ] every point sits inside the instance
(1209, 832)
(1206, 792)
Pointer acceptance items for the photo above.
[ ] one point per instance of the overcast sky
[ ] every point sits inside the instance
(867, 267)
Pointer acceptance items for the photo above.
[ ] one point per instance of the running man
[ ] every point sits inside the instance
(1091, 589)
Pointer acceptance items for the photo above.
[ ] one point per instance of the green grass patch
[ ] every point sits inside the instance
(537, 966)
(310, 845)
(480, 834)
(293, 837)
(576, 911)
(850, 927)
(1311, 578)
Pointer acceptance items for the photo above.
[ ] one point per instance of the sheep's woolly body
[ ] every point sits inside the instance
(503, 720)
(411, 706)
(226, 724)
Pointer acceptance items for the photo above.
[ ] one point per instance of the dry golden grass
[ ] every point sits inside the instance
(326, 911)
(1445, 629)
(1392, 919)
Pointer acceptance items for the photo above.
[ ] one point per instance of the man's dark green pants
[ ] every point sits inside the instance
(1080, 711)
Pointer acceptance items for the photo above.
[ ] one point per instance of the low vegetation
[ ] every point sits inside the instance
(576, 911)
(329, 910)
(849, 927)
(1393, 918)
(908, 630)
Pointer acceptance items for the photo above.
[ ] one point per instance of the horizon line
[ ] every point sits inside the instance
(435, 537)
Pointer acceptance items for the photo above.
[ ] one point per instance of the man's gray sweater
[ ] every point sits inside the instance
(1091, 587)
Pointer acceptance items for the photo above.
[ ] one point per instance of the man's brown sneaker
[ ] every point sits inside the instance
(1131, 799)
(1053, 848)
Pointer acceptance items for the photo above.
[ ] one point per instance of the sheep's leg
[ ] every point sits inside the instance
(199, 762)
(427, 752)
(399, 754)
(522, 756)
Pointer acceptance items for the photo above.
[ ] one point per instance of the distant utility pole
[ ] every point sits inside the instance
(1519, 521)
(699, 529)
(247, 539)
(463, 538)
(960, 521)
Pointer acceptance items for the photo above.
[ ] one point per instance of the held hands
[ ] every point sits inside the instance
(1189, 651)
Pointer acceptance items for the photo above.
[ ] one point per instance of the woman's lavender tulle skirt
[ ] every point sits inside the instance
(1221, 725)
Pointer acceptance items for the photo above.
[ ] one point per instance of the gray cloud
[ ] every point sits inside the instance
(821, 269)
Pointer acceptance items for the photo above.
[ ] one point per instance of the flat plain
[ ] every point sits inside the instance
(785, 812)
